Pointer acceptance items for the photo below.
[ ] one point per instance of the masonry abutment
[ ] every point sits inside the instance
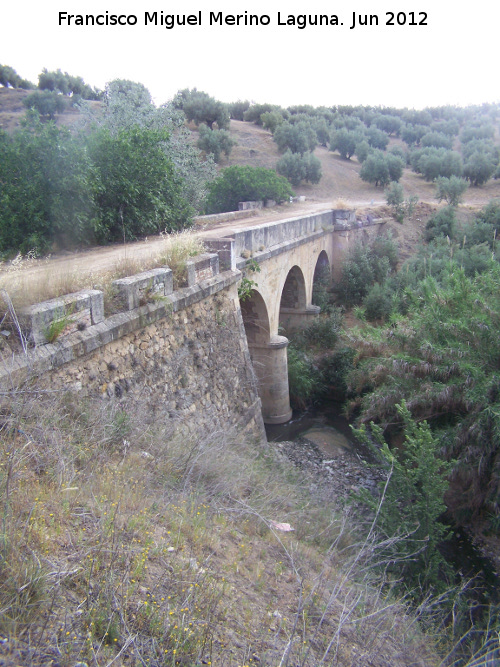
(271, 368)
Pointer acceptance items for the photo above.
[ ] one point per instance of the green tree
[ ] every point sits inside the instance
(237, 109)
(299, 138)
(322, 130)
(215, 142)
(134, 186)
(412, 134)
(129, 104)
(436, 139)
(345, 142)
(433, 162)
(395, 165)
(478, 169)
(45, 196)
(9, 78)
(296, 167)
(388, 124)
(67, 84)
(271, 120)
(362, 150)
(201, 108)
(376, 138)
(375, 169)
(450, 189)
(48, 104)
(237, 183)
(254, 113)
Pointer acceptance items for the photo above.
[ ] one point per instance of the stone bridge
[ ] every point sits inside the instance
(198, 353)
(291, 255)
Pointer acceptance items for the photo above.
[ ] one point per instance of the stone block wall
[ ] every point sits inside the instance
(187, 353)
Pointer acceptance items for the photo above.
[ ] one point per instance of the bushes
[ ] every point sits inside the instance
(442, 358)
(345, 142)
(395, 199)
(236, 184)
(296, 167)
(323, 333)
(215, 142)
(77, 189)
(380, 169)
(134, 185)
(377, 303)
(442, 223)
(47, 103)
(45, 188)
(365, 265)
(299, 138)
(450, 189)
(201, 108)
(302, 378)
(307, 376)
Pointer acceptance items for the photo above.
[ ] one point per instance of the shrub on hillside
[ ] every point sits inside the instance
(375, 170)
(202, 108)
(237, 109)
(237, 183)
(479, 168)
(450, 189)
(48, 104)
(9, 78)
(299, 137)
(254, 113)
(296, 167)
(442, 223)
(377, 303)
(215, 142)
(345, 142)
(433, 162)
(365, 265)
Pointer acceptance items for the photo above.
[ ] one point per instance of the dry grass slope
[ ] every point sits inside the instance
(127, 541)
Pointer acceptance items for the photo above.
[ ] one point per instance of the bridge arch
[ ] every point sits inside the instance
(322, 279)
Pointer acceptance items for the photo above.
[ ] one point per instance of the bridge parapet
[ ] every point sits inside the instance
(264, 236)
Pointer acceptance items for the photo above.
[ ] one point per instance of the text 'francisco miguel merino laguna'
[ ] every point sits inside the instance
(170, 21)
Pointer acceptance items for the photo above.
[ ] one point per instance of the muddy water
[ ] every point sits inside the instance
(325, 427)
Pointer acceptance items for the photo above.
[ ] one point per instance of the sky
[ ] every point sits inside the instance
(449, 57)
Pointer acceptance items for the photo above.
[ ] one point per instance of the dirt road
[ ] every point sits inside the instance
(101, 259)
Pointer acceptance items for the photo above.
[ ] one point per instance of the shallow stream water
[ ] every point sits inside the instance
(324, 426)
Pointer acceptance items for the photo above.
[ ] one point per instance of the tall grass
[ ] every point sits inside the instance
(29, 280)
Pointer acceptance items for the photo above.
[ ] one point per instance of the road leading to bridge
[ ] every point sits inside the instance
(101, 259)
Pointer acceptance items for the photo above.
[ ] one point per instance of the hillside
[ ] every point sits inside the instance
(255, 147)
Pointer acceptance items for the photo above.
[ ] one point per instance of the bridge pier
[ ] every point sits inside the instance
(292, 319)
(271, 367)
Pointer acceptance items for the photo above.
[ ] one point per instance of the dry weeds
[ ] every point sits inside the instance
(51, 282)
(127, 541)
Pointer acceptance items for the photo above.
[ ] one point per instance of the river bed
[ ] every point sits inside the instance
(321, 441)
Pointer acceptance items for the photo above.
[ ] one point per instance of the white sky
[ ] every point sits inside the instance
(452, 60)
